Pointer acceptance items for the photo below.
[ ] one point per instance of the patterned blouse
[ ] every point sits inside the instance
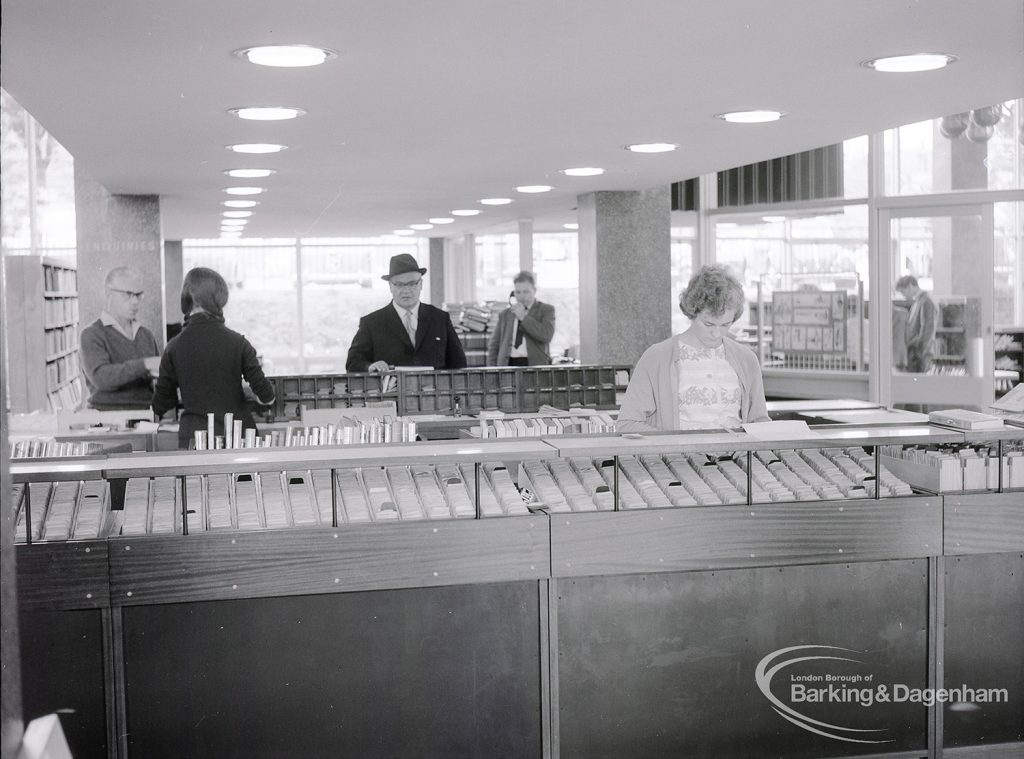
(709, 390)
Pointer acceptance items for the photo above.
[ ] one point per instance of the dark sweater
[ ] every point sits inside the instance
(115, 373)
(207, 362)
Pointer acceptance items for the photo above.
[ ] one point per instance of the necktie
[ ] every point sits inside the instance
(409, 328)
(519, 334)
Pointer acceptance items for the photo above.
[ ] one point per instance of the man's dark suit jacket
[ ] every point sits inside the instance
(382, 337)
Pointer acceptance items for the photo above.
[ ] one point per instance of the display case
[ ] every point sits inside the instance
(1008, 344)
(589, 595)
(519, 389)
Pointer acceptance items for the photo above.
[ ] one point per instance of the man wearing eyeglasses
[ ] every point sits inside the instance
(120, 357)
(405, 332)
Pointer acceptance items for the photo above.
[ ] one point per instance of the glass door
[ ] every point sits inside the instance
(936, 307)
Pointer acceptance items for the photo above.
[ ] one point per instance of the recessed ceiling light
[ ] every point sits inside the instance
(233, 222)
(534, 188)
(652, 147)
(239, 203)
(249, 173)
(750, 117)
(465, 212)
(583, 171)
(286, 55)
(237, 214)
(243, 190)
(571, 225)
(496, 201)
(404, 232)
(906, 64)
(257, 147)
(267, 113)
(439, 220)
(421, 226)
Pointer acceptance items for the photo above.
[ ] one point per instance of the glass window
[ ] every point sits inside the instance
(976, 150)
(683, 252)
(556, 264)
(16, 219)
(340, 284)
(497, 261)
(38, 185)
(305, 330)
(55, 192)
(824, 250)
(262, 304)
(855, 168)
(1009, 264)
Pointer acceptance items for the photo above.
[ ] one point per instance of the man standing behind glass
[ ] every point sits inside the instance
(524, 331)
(405, 332)
(921, 325)
(120, 357)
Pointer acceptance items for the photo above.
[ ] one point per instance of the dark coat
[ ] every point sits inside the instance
(207, 362)
(382, 337)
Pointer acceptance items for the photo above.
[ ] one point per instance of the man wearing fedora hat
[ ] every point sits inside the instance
(405, 332)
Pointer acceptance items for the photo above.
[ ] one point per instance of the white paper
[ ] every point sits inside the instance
(779, 430)
(1013, 401)
(870, 416)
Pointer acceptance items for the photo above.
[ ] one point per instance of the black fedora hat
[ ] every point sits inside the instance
(403, 263)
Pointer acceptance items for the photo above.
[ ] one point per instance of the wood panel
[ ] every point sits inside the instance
(230, 565)
(737, 536)
(62, 655)
(983, 649)
(666, 665)
(983, 523)
(71, 575)
(424, 672)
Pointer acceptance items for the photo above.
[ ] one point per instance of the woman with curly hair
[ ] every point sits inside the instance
(701, 378)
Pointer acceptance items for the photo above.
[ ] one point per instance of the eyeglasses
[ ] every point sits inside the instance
(129, 294)
(406, 285)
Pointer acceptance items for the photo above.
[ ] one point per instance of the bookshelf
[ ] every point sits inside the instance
(1008, 344)
(957, 326)
(42, 334)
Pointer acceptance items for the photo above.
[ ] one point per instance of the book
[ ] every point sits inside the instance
(962, 419)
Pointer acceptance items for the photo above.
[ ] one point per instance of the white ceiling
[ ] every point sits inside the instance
(434, 104)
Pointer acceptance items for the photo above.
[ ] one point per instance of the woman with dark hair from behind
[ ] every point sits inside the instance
(207, 362)
(701, 378)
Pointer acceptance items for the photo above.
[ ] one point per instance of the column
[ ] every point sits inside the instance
(625, 274)
(118, 230)
(174, 274)
(436, 270)
(460, 268)
(526, 244)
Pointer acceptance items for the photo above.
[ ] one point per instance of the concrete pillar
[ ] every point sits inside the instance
(526, 244)
(118, 230)
(436, 270)
(460, 268)
(174, 273)
(625, 274)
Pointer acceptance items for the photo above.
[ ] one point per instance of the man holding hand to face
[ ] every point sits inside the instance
(525, 328)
